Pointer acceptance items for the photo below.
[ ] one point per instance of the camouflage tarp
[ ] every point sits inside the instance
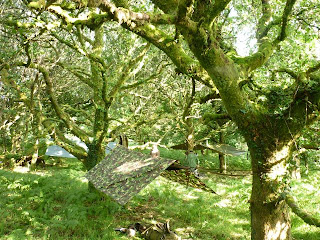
(124, 173)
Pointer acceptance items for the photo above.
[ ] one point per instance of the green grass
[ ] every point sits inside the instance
(53, 203)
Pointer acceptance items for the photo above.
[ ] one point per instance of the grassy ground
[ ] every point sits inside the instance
(53, 203)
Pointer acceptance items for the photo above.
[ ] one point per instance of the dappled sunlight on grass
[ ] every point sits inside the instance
(21, 169)
(307, 194)
(200, 214)
(305, 186)
(54, 203)
(187, 197)
(224, 203)
(56, 207)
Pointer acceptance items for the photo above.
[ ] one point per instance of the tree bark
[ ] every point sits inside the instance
(123, 140)
(269, 221)
(222, 159)
(270, 218)
(95, 155)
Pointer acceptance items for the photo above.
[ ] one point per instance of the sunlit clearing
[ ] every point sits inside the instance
(20, 169)
(309, 187)
(234, 194)
(237, 221)
(236, 235)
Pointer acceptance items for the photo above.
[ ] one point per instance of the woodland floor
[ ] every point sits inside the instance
(53, 203)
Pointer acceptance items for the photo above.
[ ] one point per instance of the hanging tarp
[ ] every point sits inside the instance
(57, 151)
(226, 149)
(218, 148)
(124, 173)
(183, 146)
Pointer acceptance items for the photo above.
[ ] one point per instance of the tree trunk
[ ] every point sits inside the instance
(95, 155)
(222, 162)
(222, 159)
(124, 140)
(270, 218)
(35, 154)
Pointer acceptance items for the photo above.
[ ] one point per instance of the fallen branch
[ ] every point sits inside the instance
(306, 217)
(225, 174)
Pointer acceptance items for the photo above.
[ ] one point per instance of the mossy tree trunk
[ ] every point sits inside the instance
(95, 155)
(269, 213)
(187, 120)
(295, 164)
(100, 124)
(271, 142)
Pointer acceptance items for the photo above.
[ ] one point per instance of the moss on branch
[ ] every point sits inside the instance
(168, 6)
(59, 111)
(285, 17)
(257, 59)
(91, 19)
(305, 216)
(59, 137)
(211, 117)
(263, 22)
(174, 51)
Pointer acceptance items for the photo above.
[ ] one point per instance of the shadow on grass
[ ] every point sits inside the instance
(195, 214)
